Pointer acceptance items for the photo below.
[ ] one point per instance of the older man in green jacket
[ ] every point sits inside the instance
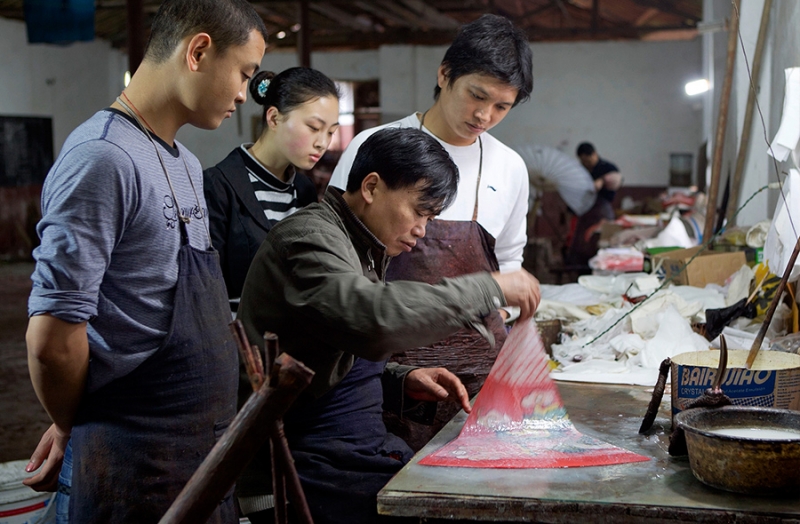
(318, 282)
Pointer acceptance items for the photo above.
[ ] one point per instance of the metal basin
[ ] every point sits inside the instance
(759, 465)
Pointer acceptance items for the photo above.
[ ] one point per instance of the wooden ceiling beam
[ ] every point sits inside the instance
(669, 8)
(414, 20)
(343, 40)
(273, 16)
(649, 14)
(356, 23)
(437, 19)
(342, 17)
(391, 18)
(527, 18)
(625, 32)
(340, 40)
(587, 8)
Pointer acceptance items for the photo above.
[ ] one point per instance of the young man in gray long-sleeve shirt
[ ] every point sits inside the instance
(128, 346)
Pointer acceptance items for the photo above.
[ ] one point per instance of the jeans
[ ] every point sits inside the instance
(64, 486)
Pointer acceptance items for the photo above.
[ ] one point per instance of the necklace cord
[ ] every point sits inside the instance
(480, 169)
(183, 218)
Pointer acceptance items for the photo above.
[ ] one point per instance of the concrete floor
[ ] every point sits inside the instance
(22, 418)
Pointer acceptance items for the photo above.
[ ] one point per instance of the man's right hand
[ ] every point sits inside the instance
(50, 451)
(520, 289)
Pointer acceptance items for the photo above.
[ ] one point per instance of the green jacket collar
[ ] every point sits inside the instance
(362, 237)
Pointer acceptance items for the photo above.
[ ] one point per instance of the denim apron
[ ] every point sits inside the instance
(450, 248)
(138, 440)
(342, 451)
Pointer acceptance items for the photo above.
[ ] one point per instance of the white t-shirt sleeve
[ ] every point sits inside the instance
(342, 169)
(510, 243)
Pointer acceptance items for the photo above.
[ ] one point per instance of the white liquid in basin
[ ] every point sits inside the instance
(757, 433)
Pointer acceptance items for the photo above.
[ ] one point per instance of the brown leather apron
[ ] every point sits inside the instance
(449, 249)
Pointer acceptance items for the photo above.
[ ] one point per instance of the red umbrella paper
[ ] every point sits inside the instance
(519, 421)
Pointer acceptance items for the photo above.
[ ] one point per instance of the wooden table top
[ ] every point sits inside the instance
(660, 490)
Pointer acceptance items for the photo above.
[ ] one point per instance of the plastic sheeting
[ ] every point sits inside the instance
(519, 421)
(784, 229)
(573, 181)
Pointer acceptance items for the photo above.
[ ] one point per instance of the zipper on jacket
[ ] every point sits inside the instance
(371, 265)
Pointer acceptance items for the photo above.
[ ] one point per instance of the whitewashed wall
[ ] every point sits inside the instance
(67, 83)
(625, 97)
(757, 164)
(785, 41)
(782, 50)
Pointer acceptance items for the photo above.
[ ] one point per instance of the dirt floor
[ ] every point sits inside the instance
(22, 418)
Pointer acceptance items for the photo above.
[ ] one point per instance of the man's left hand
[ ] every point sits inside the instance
(434, 384)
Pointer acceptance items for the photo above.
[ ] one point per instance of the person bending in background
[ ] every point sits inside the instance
(485, 72)
(318, 283)
(128, 343)
(607, 181)
(257, 185)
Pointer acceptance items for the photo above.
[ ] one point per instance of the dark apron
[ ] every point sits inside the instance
(448, 249)
(137, 440)
(341, 449)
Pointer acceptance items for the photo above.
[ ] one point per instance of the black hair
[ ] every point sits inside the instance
(290, 88)
(491, 46)
(585, 149)
(403, 157)
(228, 23)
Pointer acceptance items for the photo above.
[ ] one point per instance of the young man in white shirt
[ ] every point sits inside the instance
(485, 72)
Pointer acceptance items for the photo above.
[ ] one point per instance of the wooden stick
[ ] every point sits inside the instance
(281, 453)
(259, 363)
(751, 357)
(722, 124)
(244, 349)
(278, 486)
(238, 445)
(246, 355)
(658, 395)
(271, 348)
(744, 142)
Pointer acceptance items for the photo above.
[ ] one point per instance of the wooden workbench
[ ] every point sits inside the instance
(662, 490)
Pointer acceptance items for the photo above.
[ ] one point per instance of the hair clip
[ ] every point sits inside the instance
(262, 87)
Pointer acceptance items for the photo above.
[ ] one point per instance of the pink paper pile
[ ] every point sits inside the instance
(519, 421)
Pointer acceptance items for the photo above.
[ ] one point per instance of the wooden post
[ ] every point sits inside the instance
(722, 123)
(238, 445)
(304, 37)
(744, 143)
(136, 41)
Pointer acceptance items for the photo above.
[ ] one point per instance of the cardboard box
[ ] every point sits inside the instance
(711, 267)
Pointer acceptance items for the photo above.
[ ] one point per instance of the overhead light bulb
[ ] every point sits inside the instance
(695, 87)
(127, 78)
(280, 35)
